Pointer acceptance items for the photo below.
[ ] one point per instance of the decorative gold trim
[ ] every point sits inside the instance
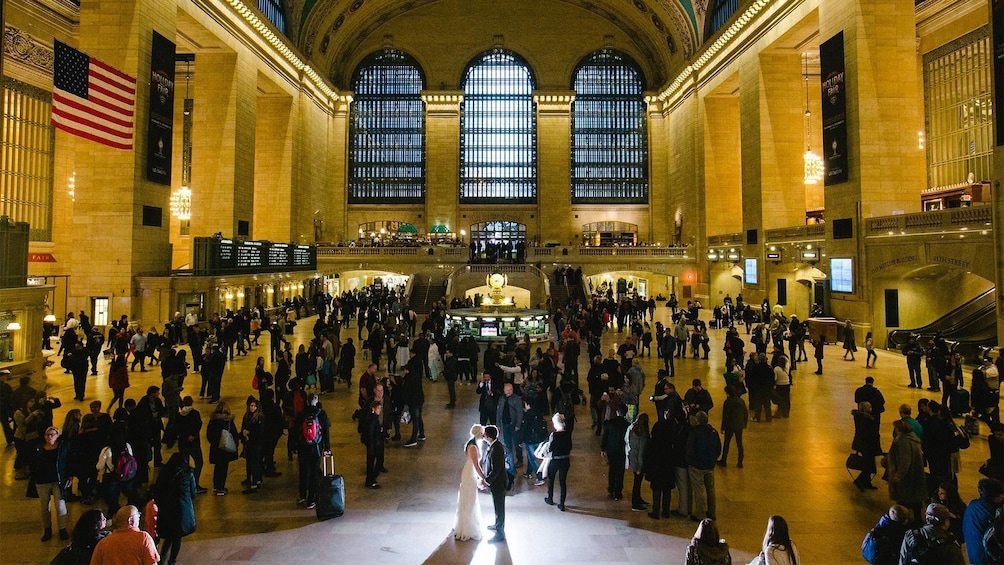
(20, 46)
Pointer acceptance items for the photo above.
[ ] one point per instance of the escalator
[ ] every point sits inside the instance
(969, 329)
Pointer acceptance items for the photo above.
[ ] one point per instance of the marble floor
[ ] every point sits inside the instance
(793, 467)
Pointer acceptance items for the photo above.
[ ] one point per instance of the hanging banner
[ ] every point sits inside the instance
(160, 125)
(834, 99)
(997, 21)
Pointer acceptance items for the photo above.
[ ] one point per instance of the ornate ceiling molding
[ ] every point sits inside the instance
(333, 30)
(20, 46)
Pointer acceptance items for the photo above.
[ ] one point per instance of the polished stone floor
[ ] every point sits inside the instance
(793, 467)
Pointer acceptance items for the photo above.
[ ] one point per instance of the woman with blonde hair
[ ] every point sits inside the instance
(561, 449)
(467, 524)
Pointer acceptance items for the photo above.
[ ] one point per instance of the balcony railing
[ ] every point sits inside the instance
(796, 233)
(975, 217)
(534, 254)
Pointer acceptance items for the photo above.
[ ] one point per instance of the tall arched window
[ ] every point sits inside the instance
(609, 139)
(498, 131)
(387, 131)
(272, 9)
(719, 12)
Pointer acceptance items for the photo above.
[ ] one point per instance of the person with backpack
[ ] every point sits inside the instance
(117, 469)
(703, 448)
(882, 544)
(934, 542)
(174, 492)
(221, 433)
(312, 425)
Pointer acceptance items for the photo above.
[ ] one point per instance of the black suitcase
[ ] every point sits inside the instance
(958, 402)
(330, 492)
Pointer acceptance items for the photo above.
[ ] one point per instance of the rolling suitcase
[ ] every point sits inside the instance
(330, 492)
(959, 403)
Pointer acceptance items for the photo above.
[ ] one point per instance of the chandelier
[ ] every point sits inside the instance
(181, 199)
(812, 163)
(181, 203)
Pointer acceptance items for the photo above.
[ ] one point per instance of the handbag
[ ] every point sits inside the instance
(254, 381)
(961, 437)
(543, 450)
(227, 442)
(406, 415)
(32, 490)
(855, 461)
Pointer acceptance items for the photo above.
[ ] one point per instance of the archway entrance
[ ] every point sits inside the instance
(498, 241)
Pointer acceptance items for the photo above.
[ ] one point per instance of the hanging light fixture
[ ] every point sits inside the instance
(181, 203)
(181, 199)
(813, 164)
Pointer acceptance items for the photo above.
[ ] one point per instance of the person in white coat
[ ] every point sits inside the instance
(435, 361)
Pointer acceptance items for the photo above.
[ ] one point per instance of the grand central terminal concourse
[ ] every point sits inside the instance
(190, 188)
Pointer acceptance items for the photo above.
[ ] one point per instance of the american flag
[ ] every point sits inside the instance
(91, 99)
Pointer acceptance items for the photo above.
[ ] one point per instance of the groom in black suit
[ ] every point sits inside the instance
(495, 479)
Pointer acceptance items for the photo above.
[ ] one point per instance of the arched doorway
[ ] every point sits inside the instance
(498, 241)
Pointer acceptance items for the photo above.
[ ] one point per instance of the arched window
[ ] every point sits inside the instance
(609, 139)
(272, 9)
(719, 12)
(498, 131)
(387, 131)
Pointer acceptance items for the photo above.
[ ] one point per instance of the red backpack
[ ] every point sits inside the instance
(310, 430)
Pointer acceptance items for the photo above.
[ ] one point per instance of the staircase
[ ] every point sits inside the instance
(560, 296)
(424, 295)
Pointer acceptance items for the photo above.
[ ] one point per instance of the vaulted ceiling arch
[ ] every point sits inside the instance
(660, 34)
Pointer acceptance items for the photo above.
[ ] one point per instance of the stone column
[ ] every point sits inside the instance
(442, 158)
(884, 113)
(335, 186)
(772, 121)
(273, 178)
(223, 144)
(111, 242)
(554, 182)
(661, 217)
(723, 170)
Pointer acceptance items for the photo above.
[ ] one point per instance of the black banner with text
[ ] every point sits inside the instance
(997, 21)
(160, 125)
(834, 98)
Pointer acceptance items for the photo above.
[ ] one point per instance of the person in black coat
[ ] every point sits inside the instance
(175, 492)
(220, 420)
(496, 480)
(373, 436)
(414, 397)
(612, 446)
(186, 430)
(274, 427)
(75, 361)
(487, 400)
(659, 465)
(867, 442)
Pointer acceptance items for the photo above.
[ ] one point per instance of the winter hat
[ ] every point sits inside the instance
(251, 399)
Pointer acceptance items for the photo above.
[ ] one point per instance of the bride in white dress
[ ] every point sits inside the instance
(467, 525)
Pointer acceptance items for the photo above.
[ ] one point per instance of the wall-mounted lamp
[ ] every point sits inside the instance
(13, 324)
(49, 318)
(713, 255)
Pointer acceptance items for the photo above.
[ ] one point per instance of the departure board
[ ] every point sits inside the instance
(220, 256)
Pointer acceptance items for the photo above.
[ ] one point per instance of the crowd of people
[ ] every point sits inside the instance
(521, 388)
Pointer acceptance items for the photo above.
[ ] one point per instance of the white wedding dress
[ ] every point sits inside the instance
(467, 525)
